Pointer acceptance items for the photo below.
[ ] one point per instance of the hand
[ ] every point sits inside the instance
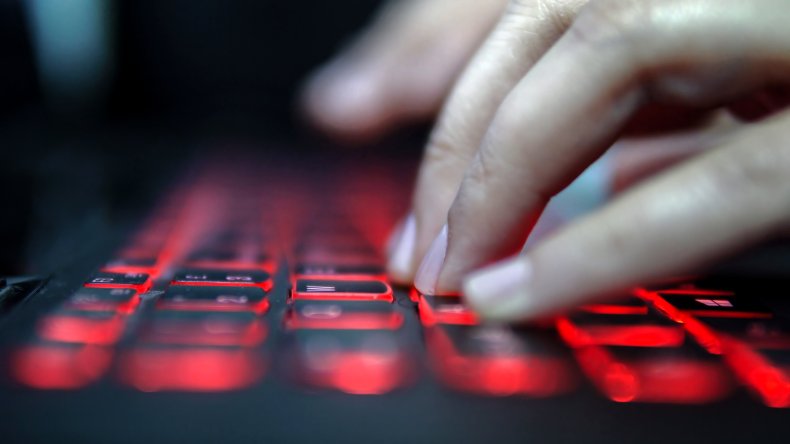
(400, 68)
(553, 86)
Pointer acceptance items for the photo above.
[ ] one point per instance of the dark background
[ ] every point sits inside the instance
(188, 74)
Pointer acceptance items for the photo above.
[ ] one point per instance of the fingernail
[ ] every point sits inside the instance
(431, 266)
(401, 250)
(500, 291)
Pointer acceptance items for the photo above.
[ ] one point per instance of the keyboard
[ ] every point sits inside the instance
(245, 278)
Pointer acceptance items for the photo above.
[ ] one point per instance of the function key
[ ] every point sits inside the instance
(107, 279)
(217, 298)
(341, 290)
(232, 278)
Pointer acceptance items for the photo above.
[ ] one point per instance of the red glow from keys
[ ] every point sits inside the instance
(696, 292)
(457, 315)
(769, 382)
(49, 367)
(197, 370)
(346, 321)
(499, 374)
(614, 309)
(197, 305)
(704, 336)
(658, 380)
(209, 333)
(358, 372)
(265, 286)
(620, 335)
(83, 330)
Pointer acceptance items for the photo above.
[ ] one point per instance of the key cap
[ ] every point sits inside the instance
(204, 329)
(583, 329)
(193, 369)
(334, 315)
(122, 300)
(684, 375)
(721, 305)
(105, 279)
(500, 361)
(339, 271)
(232, 278)
(218, 298)
(59, 367)
(445, 310)
(353, 362)
(341, 290)
(96, 328)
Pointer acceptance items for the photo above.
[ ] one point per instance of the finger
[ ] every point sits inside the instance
(717, 203)
(637, 158)
(400, 68)
(571, 106)
(525, 32)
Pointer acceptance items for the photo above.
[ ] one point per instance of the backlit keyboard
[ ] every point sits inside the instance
(232, 281)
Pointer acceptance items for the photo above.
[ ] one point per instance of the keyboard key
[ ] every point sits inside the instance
(97, 328)
(204, 329)
(219, 298)
(191, 369)
(341, 290)
(352, 362)
(332, 271)
(445, 310)
(232, 278)
(716, 305)
(59, 367)
(122, 300)
(335, 315)
(583, 329)
(105, 279)
(500, 361)
(685, 375)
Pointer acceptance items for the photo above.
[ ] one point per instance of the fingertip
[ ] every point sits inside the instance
(501, 292)
(401, 251)
(346, 101)
(428, 274)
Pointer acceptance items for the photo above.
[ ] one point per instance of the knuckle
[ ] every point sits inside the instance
(608, 22)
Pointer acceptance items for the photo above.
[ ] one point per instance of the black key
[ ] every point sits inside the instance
(317, 269)
(240, 278)
(717, 305)
(343, 315)
(216, 298)
(243, 329)
(139, 281)
(341, 290)
(104, 299)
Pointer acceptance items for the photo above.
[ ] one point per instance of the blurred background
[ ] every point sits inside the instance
(101, 101)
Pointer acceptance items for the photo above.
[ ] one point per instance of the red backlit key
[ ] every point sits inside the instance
(583, 329)
(340, 271)
(341, 290)
(231, 278)
(716, 305)
(59, 367)
(97, 328)
(204, 329)
(445, 310)
(122, 300)
(335, 315)
(500, 361)
(192, 369)
(685, 375)
(219, 298)
(370, 363)
(105, 279)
